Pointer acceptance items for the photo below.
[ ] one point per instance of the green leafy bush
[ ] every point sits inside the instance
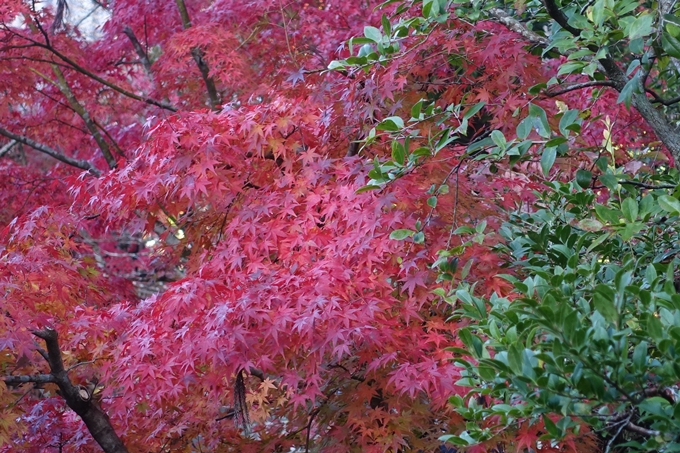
(590, 335)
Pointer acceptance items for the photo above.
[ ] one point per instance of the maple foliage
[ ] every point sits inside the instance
(186, 222)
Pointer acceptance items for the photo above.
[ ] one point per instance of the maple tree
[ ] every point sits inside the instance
(234, 225)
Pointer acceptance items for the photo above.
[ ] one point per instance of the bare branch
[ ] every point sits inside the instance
(79, 398)
(198, 55)
(62, 11)
(566, 88)
(82, 164)
(75, 66)
(648, 186)
(630, 426)
(516, 26)
(7, 147)
(143, 56)
(36, 379)
(85, 116)
(664, 130)
(659, 100)
(53, 352)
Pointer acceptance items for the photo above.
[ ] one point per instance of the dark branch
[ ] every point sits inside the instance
(663, 129)
(648, 186)
(62, 11)
(514, 25)
(141, 53)
(198, 55)
(36, 379)
(75, 66)
(659, 100)
(561, 89)
(640, 430)
(7, 147)
(82, 164)
(556, 13)
(79, 398)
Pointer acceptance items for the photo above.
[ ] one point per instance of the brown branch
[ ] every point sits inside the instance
(257, 373)
(663, 129)
(141, 53)
(79, 398)
(561, 89)
(7, 147)
(647, 186)
(630, 426)
(82, 164)
(659, 100)
(198, 55)
(75, 66)
(664, 392)
(36, 379)
(85, 116)
(516, 26)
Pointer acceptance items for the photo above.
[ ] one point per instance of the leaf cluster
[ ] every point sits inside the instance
(590, 336)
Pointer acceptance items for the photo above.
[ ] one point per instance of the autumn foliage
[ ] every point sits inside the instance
(217, 279)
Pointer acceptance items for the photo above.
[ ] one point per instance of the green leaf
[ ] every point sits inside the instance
(569, 118)
(598, 13)
(548, 159)
(610, 181)
(603, 302)
(654, 327)
(515, 358)
(669, 204)
(400, 235)
(524, 127)
(638, 27)
(584, 178)
(542, 125)
(629, 208)
(398, 152)
(499, 139)
(670, 45)
(392, 124)
(432, 202)
(415, 110)
(591, 225)
(473, 110)
(337, 64)
(626, 95)
(367, 188)
(640, 356)
(387, 27)
(373, 34)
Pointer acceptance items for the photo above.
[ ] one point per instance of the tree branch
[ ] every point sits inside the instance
(659, 100)
(36, 379)
(198, 55)
(82, 164)
(630, 426)
(516, 26)
(75, 66)
(647, 186)
(7, 147)
(79, 398)
(561, 89)
(141, 53)
(663, 129)
(85, 116)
